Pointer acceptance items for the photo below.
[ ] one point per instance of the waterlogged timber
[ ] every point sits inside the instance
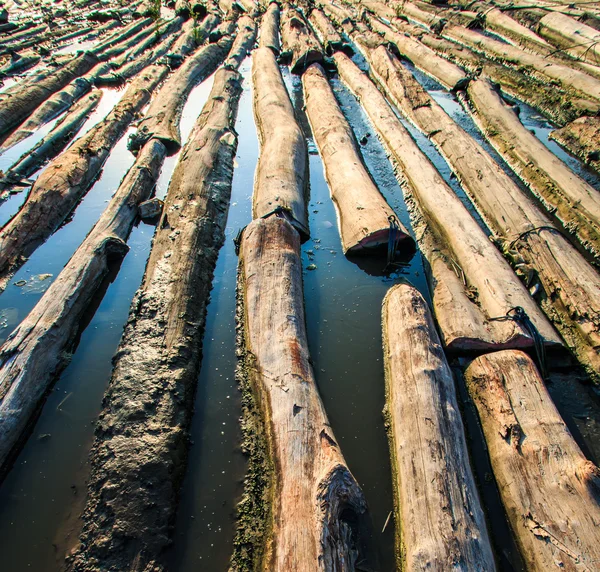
(572, 36)
(326, 33)
(582, 138)
(299, 44)
(364, 215)
(269, 29)
(549, 489)
(441, 524)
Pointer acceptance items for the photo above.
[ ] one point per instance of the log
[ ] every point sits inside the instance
(17, 106)
(326, 33)
(139, 453)
(121, 35)
(549, 489)
(126, 46)
(269, 29)
(502, 24)
(363, 214)
(440, 524)
(244, 42)
(582, 139)
(300, 45)
(575, 38)
(313, 501)
(18, 64)
(565, 284)
(163, 116)
(182, 8)
(50, 146)
(469, 280)
(39, 348)
(573, 201)
(281, 179)
(192, 37)
(65, 181)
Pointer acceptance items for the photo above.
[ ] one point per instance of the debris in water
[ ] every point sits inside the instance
(311, 267)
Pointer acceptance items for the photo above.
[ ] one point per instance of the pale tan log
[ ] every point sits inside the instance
(281, 178)
(245, 36)
(140, 450)
(298, 41)
(65, 181)
(312, 497)
(567, 286)
(192, 36)
(470, 281)
(37, 351)
(269, 29)
(327, 34)
(501, 23)
(570, 198)
(550, 491)
(581, 138)
(363, 213)
(575, 38)
(440, 524)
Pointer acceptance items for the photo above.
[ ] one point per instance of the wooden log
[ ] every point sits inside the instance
(326, 33)
(65, 181)
(127, 46)
(299, 43)
(570, 198)
(157, 362)
(549, 489)
(50, 146)
(192, 37)
(440, 524)
(469, 280)
(39, 348)
(244, 42)
(18, 64)
(269, 29)
(182, 8)
(363, 214)
(502, 24)
(121, 35)
(566, 285)
(575, 38)
(17, 106)
(281, 178)
(163, 116)
(582, 139)
(313, 501)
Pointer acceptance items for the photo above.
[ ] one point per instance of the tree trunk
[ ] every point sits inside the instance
(36, 352)
(269, 29)
(575, 38)
(582, 139)
(470, 281)
(550, 491)
(192, 37)
(329, 38)
(121, 35)
(299, 42)
(363, 214)
(440, 524)
(313, 500)
(281, 178)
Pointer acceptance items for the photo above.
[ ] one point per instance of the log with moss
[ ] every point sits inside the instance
(300, 46)
(582, 139)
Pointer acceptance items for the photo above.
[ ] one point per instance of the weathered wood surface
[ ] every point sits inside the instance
(469, 280)
(440, 524)
(501, 23)
(326, 33)
(65, 181)
(193, 35)
(121, 35)
(299, 43)
(281, 178)
(269, 29)
(363, 213)
(39, 348)
(565, 284)
(139, 453)
(570, 198)
(245, 37)
(581, 138)
(572, 36)
(313, 499)
(550, 491)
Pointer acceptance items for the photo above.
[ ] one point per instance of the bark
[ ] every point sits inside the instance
(469, 280)
(269, 29)
(17, 106)
(566, 285)
(298, 41)
(313, 500)
(182, 8)
(550, 491)
(192, 37)
(440, 524)
(504, 25)
(281, 178)
(363, 213)
(121, 35)
(245, 37)
(18, 64)
(65, 181)
(326, 33)
(582, 139)
(38, 350)
(575, 38)
(127, 46)
(139, 454)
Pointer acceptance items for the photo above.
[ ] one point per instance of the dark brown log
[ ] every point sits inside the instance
(582, 139)
(298, 41)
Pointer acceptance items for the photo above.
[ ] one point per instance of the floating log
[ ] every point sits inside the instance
(363, 214)
(575, 38)
(121, 35)
(192, 37)
(127, 46)
(39, 348)
(566, 285)
(140, 449)
(501, 23)
(282, 172)
(470, 282)
(326, 33)
(18, 64)
(548, 487)
(313, 501)
(269, 29)
(65, 181)
(571, 199)
(439, 520)
(245, 38)
(300, 45)
(582, 139)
